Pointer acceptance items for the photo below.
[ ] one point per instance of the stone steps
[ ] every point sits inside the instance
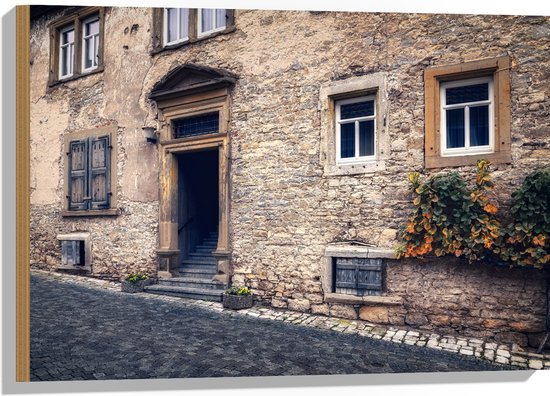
(186, 292)
(198, 283)
(195, 275)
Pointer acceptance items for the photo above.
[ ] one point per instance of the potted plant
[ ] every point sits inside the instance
(135, 283)
(237, 298)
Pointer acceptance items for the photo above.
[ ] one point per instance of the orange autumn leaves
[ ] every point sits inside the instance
(452, 218)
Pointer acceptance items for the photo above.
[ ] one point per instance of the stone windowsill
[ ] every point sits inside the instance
(90, 213)
(362, 300)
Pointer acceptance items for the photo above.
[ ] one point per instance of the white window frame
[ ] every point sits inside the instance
(467, 149)
(356, 158)
(95, 40)
(200, 33)
(71, 49)
(178, 23)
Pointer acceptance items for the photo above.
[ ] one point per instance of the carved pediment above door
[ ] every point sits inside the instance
(189, 79)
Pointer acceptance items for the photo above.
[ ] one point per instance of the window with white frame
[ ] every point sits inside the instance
(356, 129)
(467, 116)
(176, 25)
(90, 44)
(77, 45)
(211, 20)
(66, 51)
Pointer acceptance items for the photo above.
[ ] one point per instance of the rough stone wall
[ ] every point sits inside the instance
(479, 300)
(284, 210)
(120, 244)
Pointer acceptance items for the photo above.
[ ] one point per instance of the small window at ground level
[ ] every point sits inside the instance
(467, 114)
(197, 125)
(355, 129)
(358, 276)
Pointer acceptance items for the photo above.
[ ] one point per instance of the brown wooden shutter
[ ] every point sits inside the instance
(99, 172)
(78, 175)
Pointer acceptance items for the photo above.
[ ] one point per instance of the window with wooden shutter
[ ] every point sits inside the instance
(89, 181)
(358, 276)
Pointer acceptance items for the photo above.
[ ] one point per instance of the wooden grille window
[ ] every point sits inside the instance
(197, 125)
(358, 276)
(89, 173)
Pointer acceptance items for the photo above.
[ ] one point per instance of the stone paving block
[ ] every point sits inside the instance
(183, 339)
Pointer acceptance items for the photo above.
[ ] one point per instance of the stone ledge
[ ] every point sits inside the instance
(362, 300)
(350, 250)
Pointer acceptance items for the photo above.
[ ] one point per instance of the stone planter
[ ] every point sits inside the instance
(134, 287)
(232, 301)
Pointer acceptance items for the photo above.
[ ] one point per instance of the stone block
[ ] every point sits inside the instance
(343, 311)
(374, 314)
(298, 305)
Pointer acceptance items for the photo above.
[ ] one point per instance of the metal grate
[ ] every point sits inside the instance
(197, 125)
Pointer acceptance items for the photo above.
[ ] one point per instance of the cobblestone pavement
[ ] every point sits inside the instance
(86, 330)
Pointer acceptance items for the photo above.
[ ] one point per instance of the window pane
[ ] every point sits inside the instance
(359, 109)
(184, 22)
(366, 138)
(64, 61)
(172, 28)
(88, 53)
(468, 93)
(207, 20)
(67, 37)
(91, 28)
(479, 126)
(347, 140)
(197, 125)
(220, 18)
(455, 128)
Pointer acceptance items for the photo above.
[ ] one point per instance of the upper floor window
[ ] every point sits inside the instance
(66, 52)
(211, 20)
(467, 109)
(90, 44)
(355, 129)
(178, 26)
(76, 44)
(467, 114)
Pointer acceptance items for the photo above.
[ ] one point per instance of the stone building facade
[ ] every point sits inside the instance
(270, 183)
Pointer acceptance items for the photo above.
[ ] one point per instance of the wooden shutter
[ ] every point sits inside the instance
(78, 175)
(99, 170)
(369, 275)
(358, 276)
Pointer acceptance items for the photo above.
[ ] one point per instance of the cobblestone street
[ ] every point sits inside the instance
(81, 331)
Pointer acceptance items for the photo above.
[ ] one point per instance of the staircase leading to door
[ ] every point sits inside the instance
(194, 279)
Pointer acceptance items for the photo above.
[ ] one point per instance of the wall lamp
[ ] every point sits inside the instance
(150, 134)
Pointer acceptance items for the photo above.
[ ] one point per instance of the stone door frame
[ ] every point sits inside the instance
(169, 110)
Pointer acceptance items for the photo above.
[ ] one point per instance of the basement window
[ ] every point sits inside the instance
(357, 276)
(76, 251)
